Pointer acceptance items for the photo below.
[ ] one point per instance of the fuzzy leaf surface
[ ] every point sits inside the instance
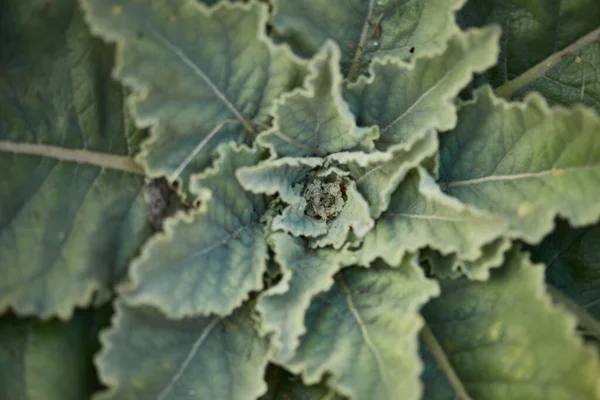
(364, 332)
(28, 354)
(306, 273)
(415, 220)
(377, 180)
(525, 162)
(407, 100)
(366, 29)
(316, 119)
(67, 229)
(209, 260)
(505, 339)
(572, 257)
(145, 355)
(533, 31)
(193, 69)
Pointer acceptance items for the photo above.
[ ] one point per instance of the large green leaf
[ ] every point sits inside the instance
(363, 333)
(407, 100)
(573, 260)
(525, 162)
(533, 31)
(366, 29)
(67, 229)
(315, 120)
(47, 360)
(209, 260)
(505, 339)
(414, 220)
(147, 356)
(193, 70)
(305, 273)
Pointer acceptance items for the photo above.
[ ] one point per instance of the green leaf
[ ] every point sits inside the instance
(305, 273)
(525, 162)
(492, 257)
(200, 76)
(378, 179)
(407, 100)
(419, 216)
(573, 259)
(207, 261)
(363, 332)
(535, 30)
(145, 355)
(505, 339)
(315, 120)
(366, 29)
(67, 229)
(29, 353)
(277, 176)
(354, 218)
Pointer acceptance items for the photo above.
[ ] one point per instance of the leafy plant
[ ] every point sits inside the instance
(299, 199)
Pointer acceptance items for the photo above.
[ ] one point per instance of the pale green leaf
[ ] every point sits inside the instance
(366, 29)
(492, 257)
(316, 119)
(278, 176)
(294, 221)
(407, 100)
(305, 273)
(442, 266)
(525, 162)
(415, 220)
(572, 257)
(147, 356)
(209, 260)
(363, 332)
(67, 230)
(533, 31)
(29, 353)
(505, 339)
(354, 217)
(200, 76)
(377, 180)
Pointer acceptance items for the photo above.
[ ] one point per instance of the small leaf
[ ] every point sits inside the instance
(505, 339)
(492, 257)
(354, 217)
(305, 273)
(315, 120)
(415, 220)
(525, 162)
(201, 76)
(573, 259)
(407, 100)
(146, 355)
(208, 261)
(277, 176)
(366, 29)
(363, 332)
(30, 351)
(377, 180)
(67, 229)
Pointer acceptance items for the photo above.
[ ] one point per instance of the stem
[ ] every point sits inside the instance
(360, 48)
(103, 160)
(584, 319)
(440, 356)
(508, 89)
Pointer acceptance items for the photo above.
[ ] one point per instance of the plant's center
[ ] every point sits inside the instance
(325, 197)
